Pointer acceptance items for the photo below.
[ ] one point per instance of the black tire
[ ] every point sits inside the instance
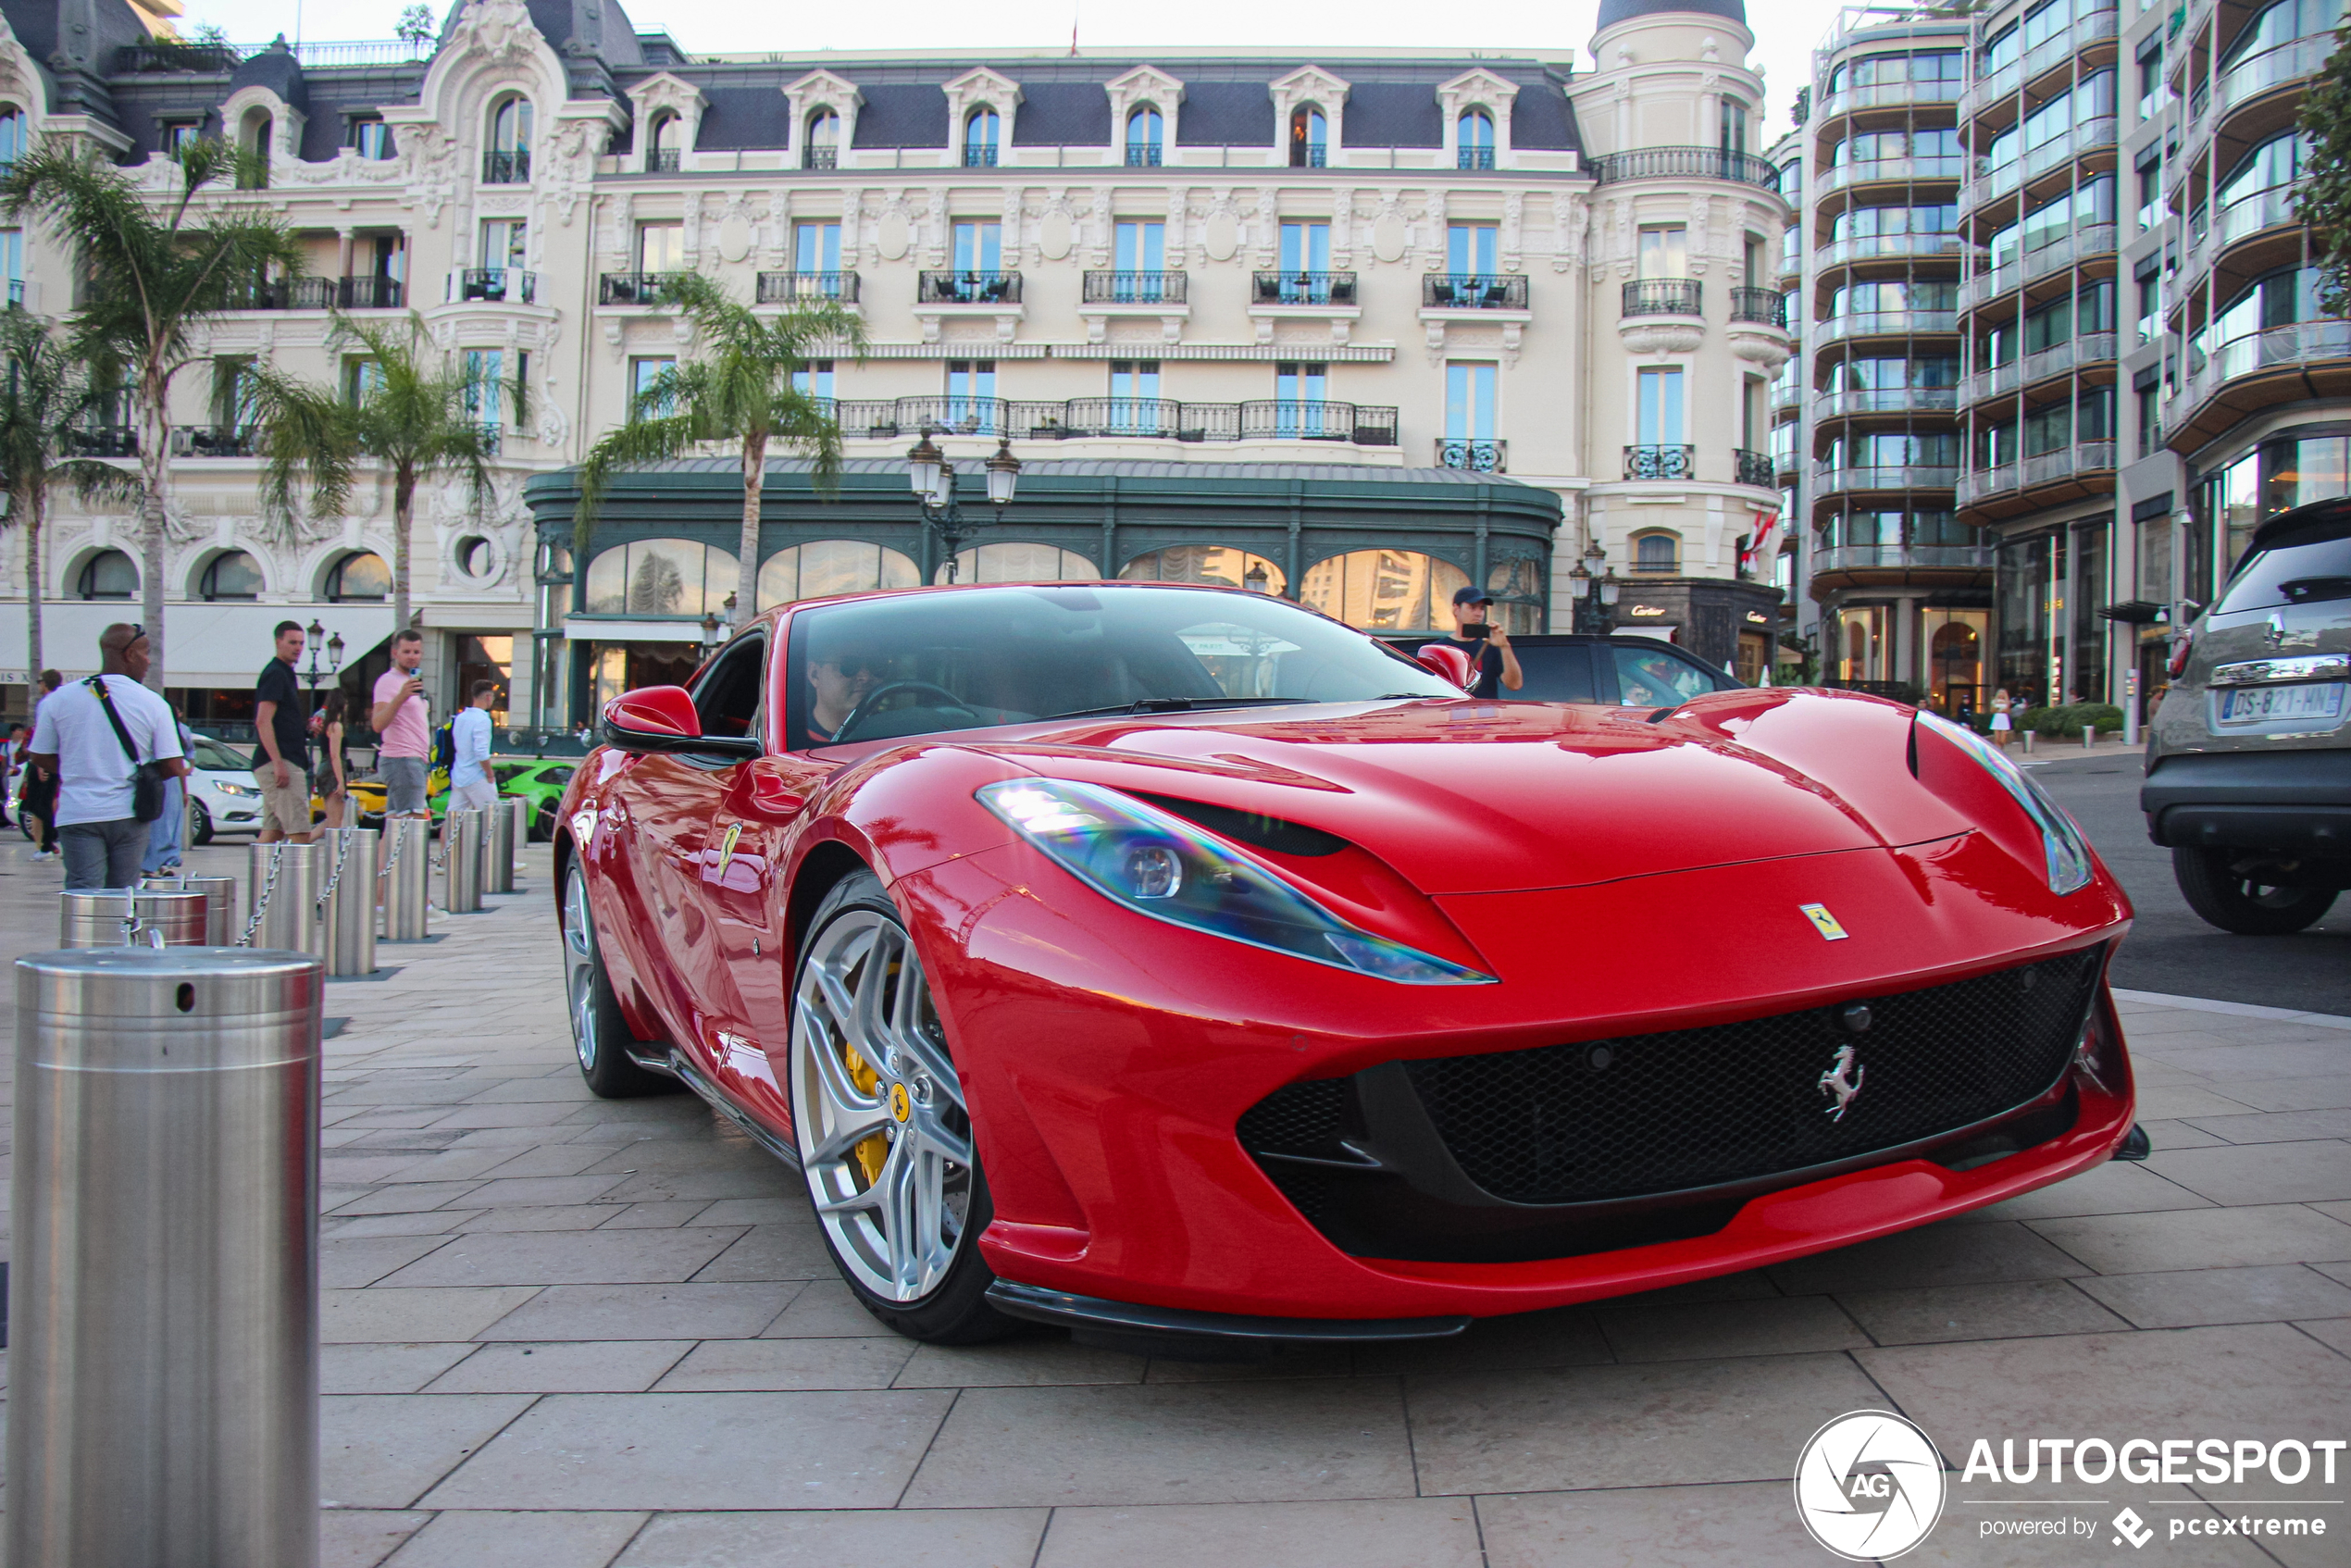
(543, 823)
(600, 1034)
(2222, 896)
(202, 833)
(954, 1310)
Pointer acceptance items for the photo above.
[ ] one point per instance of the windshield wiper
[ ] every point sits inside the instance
(1176, 706)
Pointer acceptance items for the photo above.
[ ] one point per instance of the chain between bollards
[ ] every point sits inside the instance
(261, 900)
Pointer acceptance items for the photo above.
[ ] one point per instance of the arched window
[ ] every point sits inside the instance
(1309, 138)
(507, 161)
(979, 139)
(662, 143)
(12, 135)
(1022, 563)
(360, 578)
(1143, 137)
(833, 565)
(1475, 135)
(1657, 553)
(1517, 587)
(231, 574)
(1385, 589)
(1222, 566)
(255, 133)
(661, 577)
(107, 574)
(823, 148)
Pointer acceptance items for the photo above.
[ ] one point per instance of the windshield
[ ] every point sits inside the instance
(927, 663)
(2308, 567)
(213, 757)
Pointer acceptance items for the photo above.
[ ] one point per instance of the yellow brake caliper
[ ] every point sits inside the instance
(875, 1149)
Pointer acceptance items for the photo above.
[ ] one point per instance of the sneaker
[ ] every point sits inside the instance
(44, 854)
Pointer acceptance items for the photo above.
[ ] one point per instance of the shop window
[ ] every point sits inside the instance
(1022, 563)
(1221, 566)
(833, 565)
(1385, 589)
(661, 577)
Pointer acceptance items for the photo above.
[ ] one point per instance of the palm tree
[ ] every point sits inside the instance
(45, 396)
(415, 410)
(153, 271)
(739, 388)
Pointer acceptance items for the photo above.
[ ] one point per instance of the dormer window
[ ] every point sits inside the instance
(371, 138)
(254, 137)
(823, 149)
(662, 139)
(507, 160)
(981, 131)
(1308, 139)
(1475, 137)
(1144, 132)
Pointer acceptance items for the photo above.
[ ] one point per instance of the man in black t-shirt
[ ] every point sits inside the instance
(282, 763)
(1487, 646)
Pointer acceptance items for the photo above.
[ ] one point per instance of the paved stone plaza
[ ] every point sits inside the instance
(568, 1333)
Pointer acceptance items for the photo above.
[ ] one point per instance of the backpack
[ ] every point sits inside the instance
(444, 746)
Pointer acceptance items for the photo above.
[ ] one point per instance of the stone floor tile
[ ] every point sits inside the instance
(824, 1309)
(535, 1114)
(543, 1192)
(384, 1316)
(363, 1538)
(1287, 1361)
(679, 1186)
(1704, 1330)
(2164, 1136)
(1562, 1336)
(385, 1369)
(404, 1198)
(1751, 1524)
(2239, 1064)
(1748, 1285)
(2318, 1171)
(1963, 1253)
(2118, 1186)
(452, 1165)
(360, 1169)
(771, 1251)
(2330, 1331)
(383, 1451)
(649, 1216)
(506, 1138)
(1959, 1541)
(1665, 1422)
(538, 1160)
(590, 1257)
(931, 1538)
(1028, 1361)
(1398, 1533)
(2253, 1380)
(2278, 1126)
(1227, 1442)
(791, 1208)
(2185, 1102)
(696, 1150)
(759, 1365)
(2285, 1233)
(362, 1117)
(2275, 1293)
(471, 1539)
(1939, 1313)
(545, 1087)
(346, 1263)
(593, 1366)
(643, 1312)
(566, 1216)
(703, 1451)
(2327, 1091)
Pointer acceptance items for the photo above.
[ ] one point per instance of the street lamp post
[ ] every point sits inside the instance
(933, 478)
(1594, 583)
(334, 656)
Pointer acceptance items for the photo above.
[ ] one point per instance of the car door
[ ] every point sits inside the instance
(1554, 672)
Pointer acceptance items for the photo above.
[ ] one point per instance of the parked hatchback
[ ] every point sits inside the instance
(1629, 671)
(2248, 780)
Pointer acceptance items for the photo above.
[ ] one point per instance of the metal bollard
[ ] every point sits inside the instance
(498, 849)
(2028, 743)
(163, 1398)
(2089, 735)
(407, 878)
(461, 852)
(348, 900)
(286, 879)
(522, 814)
(120, 917)
(220, 909)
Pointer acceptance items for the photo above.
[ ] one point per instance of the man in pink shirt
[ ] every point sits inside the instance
(400, 715)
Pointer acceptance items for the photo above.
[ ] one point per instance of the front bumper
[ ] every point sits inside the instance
(2288, 801)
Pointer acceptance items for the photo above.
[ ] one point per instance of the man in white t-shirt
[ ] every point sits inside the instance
(75, 741)
(471, 788)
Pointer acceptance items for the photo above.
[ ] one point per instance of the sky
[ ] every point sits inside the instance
(1789, 28)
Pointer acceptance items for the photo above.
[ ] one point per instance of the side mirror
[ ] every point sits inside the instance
(662, 719)
(1450, 662)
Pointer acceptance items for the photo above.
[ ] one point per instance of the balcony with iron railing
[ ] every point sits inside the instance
(1476, 158)
(1828, 480)
(512, 167)
(493, 285)
(1142, 155)
(1685, 163)
(101, 440)
(1844, 558)
(664, 160)
(369, 292)
(1766, 307)
(1119, 418)
(1653, 461)
(1136, 288)
(820, 157)
(1664, 296)
(212, 440)
(1755, 469)
(1472, 290)
(1333, 288)
(979, 154)
(1478, 456)
(968, 288)
(786, 288)
(636, 287)
(283, 294)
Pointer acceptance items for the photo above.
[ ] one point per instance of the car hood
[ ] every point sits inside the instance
(1468, 797)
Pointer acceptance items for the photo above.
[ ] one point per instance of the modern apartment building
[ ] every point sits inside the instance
(1358, 329)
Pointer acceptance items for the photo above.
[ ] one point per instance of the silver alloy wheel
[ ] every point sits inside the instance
(580, 967)
(884, 1137)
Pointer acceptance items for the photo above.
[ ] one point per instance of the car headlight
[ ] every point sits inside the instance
(224, 787)
(1157, 863)
(2068, 852)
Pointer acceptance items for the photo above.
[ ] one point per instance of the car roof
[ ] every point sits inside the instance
(2319, 515)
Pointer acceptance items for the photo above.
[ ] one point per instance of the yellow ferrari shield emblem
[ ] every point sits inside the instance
(900, 1105)
(1823, 922)
(726, 846)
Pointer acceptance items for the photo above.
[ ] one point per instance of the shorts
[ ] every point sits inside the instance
(288, 808)
(480, 795)
(2000, 721)
(403, 785)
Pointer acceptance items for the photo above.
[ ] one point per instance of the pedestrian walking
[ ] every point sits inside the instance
(163, 834)
(331, 726)
(109, 742)
(10, 767)
(38, 799)
(2001, 724)
(471, 788)
(400, 717)
(281, 723)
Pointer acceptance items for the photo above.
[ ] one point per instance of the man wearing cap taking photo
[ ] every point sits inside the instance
(1488, 646)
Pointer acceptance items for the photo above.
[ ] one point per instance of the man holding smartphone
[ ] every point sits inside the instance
(398, 714)
(1486, 643)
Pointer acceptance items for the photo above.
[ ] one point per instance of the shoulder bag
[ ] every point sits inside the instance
(146, 778)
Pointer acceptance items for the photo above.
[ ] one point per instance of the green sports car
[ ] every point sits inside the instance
(540, 781)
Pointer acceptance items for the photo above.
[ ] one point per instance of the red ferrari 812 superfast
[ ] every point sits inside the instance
(1180, 964)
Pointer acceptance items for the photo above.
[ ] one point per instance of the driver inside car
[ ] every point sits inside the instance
(838, 682)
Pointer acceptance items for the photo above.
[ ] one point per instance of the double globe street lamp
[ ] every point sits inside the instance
(334, 655)
(933, 478)
(1594, 583)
